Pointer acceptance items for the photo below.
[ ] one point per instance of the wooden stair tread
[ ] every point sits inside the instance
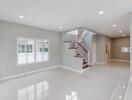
(78, 56)
(73, 48)
(84, 67)
(85, 62)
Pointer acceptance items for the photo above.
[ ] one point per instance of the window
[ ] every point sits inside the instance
(30, 51)
(25, 51)
(41, 50)
(125, 49)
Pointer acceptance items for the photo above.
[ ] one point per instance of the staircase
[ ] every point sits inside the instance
(80, 49)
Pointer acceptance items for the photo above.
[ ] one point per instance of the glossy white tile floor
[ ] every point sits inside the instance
(129, 92)
(98, 83)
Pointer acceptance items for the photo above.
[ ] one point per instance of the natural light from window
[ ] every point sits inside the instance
(31, 50)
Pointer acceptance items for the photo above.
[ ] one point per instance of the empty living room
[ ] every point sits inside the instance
(65, 50)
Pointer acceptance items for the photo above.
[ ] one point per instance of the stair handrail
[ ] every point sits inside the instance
(80, 36)
(82, 47)
(78, 40)
(82, 50)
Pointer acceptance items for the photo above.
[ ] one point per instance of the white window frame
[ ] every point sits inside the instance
(34, 39)
(48, 50)
(123, 50)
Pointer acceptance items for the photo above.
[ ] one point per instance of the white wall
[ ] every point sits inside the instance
(8, 48)
(93, 50)
(101, 42)
(100, 49)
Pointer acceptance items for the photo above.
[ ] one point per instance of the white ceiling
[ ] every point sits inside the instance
(50, 14)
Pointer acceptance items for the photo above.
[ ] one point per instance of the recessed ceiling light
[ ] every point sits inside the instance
(22, 17)
(120, 31)
(60, 27)
(124, 86)
(114, 25)
(124, 35)
(101, 12)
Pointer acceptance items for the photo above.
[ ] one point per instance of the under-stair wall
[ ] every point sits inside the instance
(70, 58)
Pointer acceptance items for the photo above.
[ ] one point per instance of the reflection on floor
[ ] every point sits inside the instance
(128, 95)
(101, 82)
(72, 96)
(38, 91)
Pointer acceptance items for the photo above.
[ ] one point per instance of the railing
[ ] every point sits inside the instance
(81, 49)
(83, 52)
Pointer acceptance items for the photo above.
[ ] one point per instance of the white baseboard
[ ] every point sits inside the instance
(120, 60)
(71, 69)
(100, 62)
(40, 70)
(28, 73)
